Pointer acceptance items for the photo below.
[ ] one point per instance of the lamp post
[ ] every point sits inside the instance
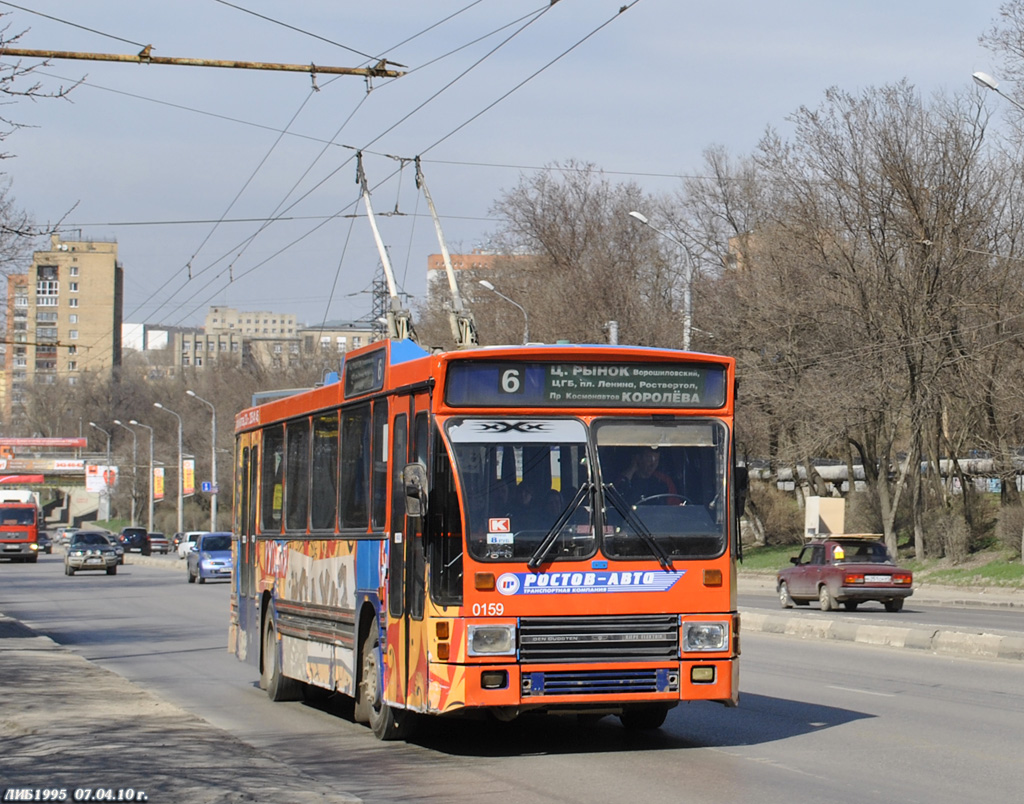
(987, 81)
(181, 478)
(134, 423)
(106, 487)
(135, 466)
(213, 457)
(687, 284)
(526, 318)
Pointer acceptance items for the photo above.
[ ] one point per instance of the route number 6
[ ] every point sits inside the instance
(512, 381)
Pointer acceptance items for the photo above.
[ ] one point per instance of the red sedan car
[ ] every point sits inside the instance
(844, 570)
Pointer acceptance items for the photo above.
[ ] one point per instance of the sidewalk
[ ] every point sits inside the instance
(74, 726)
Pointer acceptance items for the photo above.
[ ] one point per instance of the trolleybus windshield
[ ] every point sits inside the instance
(531, 492)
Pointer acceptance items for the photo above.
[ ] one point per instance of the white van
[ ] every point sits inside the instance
(188, 542)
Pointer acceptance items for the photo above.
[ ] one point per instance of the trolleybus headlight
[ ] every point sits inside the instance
(703, 636)
(492, 640)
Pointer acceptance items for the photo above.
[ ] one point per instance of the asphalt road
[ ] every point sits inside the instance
(915, 613)
(818, 720)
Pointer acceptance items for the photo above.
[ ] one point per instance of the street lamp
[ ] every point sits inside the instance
(213, 457)
(134, 423)
(987, 81)
(526, 318)
(181, 470)
(135, 466)
(106, 469)
(687, 285)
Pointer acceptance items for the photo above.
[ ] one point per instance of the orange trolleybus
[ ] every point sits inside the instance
(513, 529)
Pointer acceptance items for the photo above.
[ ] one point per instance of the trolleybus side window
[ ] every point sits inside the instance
(243, 512)
(380, 462)
(297, 475)
(249, 568)
(324, 507)
(355, 467)
(396, 564)
(271, 482)
(417, 558)
(444, 532)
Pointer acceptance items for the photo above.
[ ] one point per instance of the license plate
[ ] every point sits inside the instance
(877, 579)
(13, 548)
(94, 561)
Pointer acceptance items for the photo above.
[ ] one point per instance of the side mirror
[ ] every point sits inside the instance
(414, 478)
(742, 476)
(794, 560)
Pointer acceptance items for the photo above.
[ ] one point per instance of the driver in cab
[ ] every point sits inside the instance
(642, 480)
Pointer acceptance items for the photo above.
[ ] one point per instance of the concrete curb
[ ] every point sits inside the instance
(977, 645)
(939, 641)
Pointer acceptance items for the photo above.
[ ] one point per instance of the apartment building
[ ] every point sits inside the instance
(234, 337)
(260, 324)
(63, 317)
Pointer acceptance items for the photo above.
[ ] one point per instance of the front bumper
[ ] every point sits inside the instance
(582, 688)
(88, 562)
(19, 550)
(213, 570)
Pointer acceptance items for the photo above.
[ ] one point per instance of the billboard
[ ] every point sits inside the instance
(100, 479)
(188, 477)
(158, 483)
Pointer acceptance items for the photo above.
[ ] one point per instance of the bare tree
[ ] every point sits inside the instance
(857, 290)
(579, 261)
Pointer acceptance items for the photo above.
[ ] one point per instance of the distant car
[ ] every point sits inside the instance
(118, 547)
(45, 542)
(135, 540)
(90, 550)
(158, 543)
(64, 535)
(176, 540)
(844, 570)
(188, 541)
(211, 559)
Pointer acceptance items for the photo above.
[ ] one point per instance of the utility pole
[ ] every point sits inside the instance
(145, 56)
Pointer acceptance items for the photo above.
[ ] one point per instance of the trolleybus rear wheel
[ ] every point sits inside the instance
(277, 686)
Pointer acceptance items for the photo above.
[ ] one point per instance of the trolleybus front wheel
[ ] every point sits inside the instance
(387, 722)
(644, 717)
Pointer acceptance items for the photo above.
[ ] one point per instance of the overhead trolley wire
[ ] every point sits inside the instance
(330, 175)
(72, 24)
(243, 246)
(298, 30)
(346, 162)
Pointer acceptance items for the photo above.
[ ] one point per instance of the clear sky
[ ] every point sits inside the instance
(155, 156)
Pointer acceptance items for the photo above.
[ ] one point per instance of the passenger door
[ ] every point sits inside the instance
(407, 671)
(246, 473)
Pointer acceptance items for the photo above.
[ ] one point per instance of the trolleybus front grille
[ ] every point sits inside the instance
(640, 638)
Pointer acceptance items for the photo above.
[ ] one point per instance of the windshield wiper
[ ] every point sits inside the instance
(612, 495)
(552, 535)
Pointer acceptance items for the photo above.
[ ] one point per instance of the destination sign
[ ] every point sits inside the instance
(617, 385)
(365, 373)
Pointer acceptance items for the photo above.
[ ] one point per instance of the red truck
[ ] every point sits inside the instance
(19, 531)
